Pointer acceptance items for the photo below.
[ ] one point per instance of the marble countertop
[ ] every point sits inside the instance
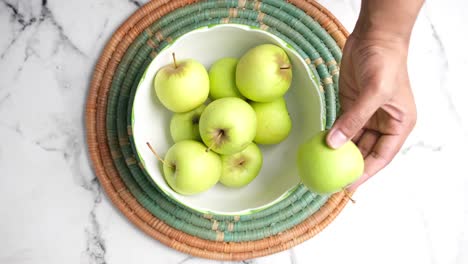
(54, 211)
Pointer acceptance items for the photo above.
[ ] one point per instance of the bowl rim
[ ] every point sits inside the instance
(285, 45)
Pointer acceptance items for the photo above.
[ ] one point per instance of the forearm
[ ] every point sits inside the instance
(388, 18)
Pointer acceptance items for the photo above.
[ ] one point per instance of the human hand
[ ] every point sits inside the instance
(378, 109)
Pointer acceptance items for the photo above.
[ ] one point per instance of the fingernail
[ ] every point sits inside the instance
(337, 139)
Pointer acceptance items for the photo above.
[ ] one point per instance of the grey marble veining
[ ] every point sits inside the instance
(443, 63)
(35, 44)
(54, 209)
(137, 3)
(421, 144)
(95, 244)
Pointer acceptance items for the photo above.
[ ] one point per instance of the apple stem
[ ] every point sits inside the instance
(285, 67)
(214, 141)
(210, 146)
(348, 194)
(174, 59)
(156, 154)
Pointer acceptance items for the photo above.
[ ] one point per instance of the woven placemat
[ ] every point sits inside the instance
(117, 72)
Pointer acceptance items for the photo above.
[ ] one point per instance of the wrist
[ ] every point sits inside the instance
(388, 20)
(374, 29)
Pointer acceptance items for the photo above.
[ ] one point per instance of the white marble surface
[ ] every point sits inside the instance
(53, 210)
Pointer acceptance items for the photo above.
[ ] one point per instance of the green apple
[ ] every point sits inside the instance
(264, 73)
(228, 125)
(185, 125)
(182, 86)
(325, 170)
(190, 169)
(223, 79)
(240, 168)
(273, 121)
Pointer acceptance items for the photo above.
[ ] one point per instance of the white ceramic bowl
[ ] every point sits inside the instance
(278, 176)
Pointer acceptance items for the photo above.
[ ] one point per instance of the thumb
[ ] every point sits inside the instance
(353, 119)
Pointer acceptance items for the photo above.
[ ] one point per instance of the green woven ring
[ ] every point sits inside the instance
(282, 216)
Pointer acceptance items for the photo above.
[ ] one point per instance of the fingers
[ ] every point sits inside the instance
(367, 142)
(348, 125)
(384, 150)
(358, 136)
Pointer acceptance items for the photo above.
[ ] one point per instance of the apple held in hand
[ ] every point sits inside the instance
(185, 125)
(228, 125)
(190, 169)
(264, 73)
(240, 168)
(273, 121)
(325, 170)
(182, 86)
(223, 79)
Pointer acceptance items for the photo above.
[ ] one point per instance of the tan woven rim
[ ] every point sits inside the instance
(121, 197)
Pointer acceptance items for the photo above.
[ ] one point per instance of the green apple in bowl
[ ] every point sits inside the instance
(223, 79)
(264, 73)
(325, 170)
(273, 121)
(184, 126)
(240, 168)
(182, 86)
(190, 169)
(228, 125)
